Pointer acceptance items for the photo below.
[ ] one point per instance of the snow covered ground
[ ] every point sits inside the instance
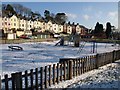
(107, 76)
(43, 53)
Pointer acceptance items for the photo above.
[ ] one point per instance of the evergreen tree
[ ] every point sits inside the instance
(108, 30)
(98, 28)
(60, 18)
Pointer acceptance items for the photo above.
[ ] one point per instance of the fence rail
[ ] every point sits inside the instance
(66, 69)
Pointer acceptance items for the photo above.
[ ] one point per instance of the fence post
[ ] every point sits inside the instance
(36, 78)
(26, 80)
(17, 81)
(96, 63)
(61, 69)
(54, 74)
(77, 67)
(113, 59)
(46, 77)
(41, 78)
(31, 78)
(50, 70)
(64, 66)
(73, 68)
(58, 72)
(119, 54)
(70, 69)
(6, 82)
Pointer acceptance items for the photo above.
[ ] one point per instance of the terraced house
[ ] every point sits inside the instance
(22, 25)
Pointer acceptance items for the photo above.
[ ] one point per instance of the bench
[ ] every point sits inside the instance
(15, 48)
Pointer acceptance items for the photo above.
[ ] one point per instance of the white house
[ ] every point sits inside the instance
(23, 24)
(69, 29)
(6, 24)
(55, 28)
(78, 29)
(49, 26)
(60, 28)
(30, 24)
(15, 22)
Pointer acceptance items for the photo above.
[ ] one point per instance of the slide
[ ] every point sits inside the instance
(61, 42)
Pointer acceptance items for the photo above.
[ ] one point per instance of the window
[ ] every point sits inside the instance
(23, 25)
(5, 19)
(5, 23)
(14, 19)
(54, 28)
(30, 26)
(14, 24)
(11, 19)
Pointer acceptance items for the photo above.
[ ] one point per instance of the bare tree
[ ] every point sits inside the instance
(18, 8)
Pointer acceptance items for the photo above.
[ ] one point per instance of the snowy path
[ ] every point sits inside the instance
(105, 77)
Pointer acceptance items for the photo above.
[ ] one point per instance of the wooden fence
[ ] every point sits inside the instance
(43, 77)
(16, 41)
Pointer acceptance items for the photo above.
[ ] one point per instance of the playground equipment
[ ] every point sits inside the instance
(81, 47)
(61, 42)
(94, 47)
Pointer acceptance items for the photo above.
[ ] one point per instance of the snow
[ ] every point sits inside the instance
(43, 53)
(107, 76)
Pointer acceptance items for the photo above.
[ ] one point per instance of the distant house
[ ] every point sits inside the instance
(30, 24)
(65, 28)
(60, 28)
(6, 23)
(73, 28)
(11, 36)
(37, 24)
(14, 20)
(78, 29)
(69, 28)
(55, 28)
(49, 25)
(23, 23)
(43, 26)
(19, 33)
(44, 35)
(28, 32)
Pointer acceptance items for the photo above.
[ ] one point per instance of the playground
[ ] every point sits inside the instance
(39, 54)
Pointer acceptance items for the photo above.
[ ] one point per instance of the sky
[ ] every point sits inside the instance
(84, 13)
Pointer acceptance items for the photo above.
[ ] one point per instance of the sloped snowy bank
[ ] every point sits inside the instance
(107, 76)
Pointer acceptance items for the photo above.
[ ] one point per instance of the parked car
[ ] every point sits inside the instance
(24, 36)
